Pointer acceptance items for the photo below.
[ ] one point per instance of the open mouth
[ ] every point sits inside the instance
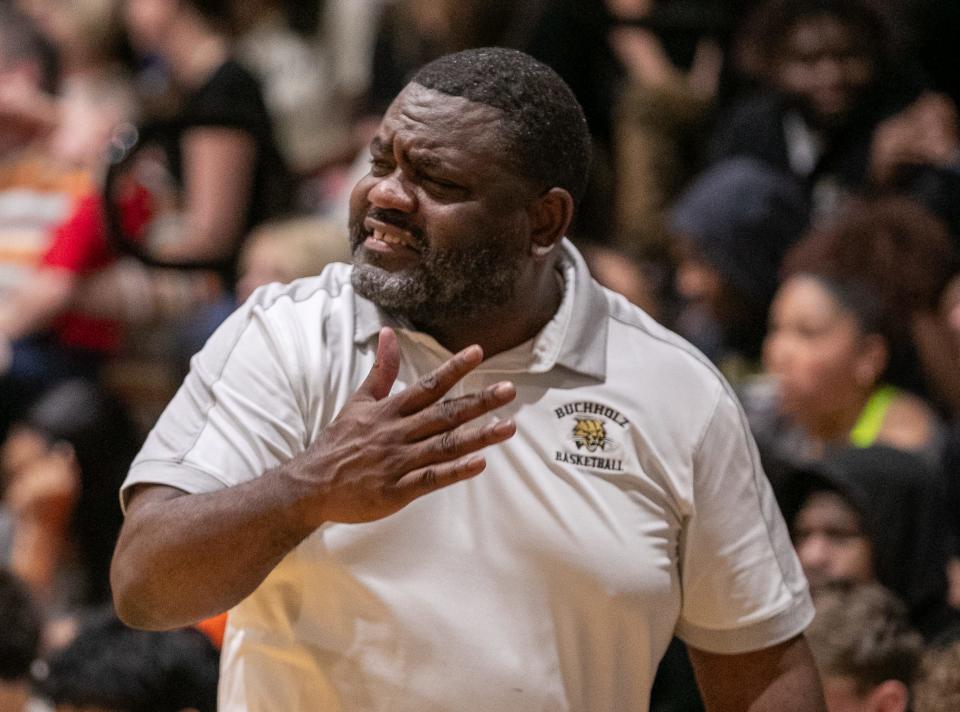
(380, 235)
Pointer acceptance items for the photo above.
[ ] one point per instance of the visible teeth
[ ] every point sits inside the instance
(388, 238)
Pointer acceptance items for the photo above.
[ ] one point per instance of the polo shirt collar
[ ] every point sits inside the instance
(584, 345)
(576, 337)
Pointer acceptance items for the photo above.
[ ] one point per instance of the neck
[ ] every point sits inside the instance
(505, 327)
(835, 425)
(195, 52)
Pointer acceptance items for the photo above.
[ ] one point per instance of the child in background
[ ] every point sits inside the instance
(865, 650)
(113, 668)
(286, 250)
(874, 515)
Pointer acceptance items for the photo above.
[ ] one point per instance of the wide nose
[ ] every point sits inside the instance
(393, 192)
(814, 554)
(830, 71)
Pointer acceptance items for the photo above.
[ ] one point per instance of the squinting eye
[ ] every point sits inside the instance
(441, 183)
(379, 167)
(442, 188)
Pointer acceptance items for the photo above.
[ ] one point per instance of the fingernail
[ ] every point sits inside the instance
(473, 353)
(475, 461)
(504, 427)
(504, 390)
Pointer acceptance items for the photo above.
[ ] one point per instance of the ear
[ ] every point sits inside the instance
(888, 696)
(872, 361)
(550, 216)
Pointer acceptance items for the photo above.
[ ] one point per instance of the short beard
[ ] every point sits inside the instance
(447, 286)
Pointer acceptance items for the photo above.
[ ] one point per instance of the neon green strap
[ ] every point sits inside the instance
(864, 433)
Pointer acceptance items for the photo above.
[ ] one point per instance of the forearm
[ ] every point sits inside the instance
(184, 557)
(794, 689)
(219, 164)
(782, 678)
(181, 558)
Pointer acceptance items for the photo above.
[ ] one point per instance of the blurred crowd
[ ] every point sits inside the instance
(778, 181)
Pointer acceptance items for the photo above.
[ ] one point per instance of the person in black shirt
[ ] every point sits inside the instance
(222, 150)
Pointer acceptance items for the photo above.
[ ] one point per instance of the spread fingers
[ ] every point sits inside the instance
(454, 412)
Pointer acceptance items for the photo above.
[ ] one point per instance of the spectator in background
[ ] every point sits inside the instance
(414, 32)
(917, 153)
(94, 93)
(839, 347)
(28, 68)
(19, 642)
(58, 510)
(35, 193)
(225, 158)
(278, 251)
(943, 329)
(287, 250)
(937, 688)
(834, 72)
(865, 649)
(111, 668)
(314, 74)
(672, 70)
(731, 229)
(619, 272)
(226, 174)
(874, 515)
(45, 341)
(827, 351)
(41, 486)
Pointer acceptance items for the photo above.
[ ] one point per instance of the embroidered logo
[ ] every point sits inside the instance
(589, 434)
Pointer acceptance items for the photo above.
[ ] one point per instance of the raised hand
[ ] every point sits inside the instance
(381, 452)
(925, 133)
(643, 56)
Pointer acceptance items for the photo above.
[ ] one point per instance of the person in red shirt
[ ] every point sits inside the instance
(43, 341)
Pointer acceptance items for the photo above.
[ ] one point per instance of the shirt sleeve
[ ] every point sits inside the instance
(236, 414)
(231, 99)
(743, 587)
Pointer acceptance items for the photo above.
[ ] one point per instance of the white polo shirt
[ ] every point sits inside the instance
(629, 506)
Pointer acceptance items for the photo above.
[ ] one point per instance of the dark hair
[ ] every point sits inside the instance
(543, 122)
(897, 246)
(219, 13)
(19, 628)
(742, 215)
(863, 632)
(899, 496)
(110, 665)
(884, 260)
(876, 29)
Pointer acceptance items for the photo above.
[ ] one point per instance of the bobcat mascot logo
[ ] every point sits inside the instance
(591, 433)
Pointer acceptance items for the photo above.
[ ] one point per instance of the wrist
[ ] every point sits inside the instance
(296, 499)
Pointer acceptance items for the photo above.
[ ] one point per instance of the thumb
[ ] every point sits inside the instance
(384, 372)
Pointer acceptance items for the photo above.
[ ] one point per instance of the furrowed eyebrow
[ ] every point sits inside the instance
(426, 161)
(422, 161)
